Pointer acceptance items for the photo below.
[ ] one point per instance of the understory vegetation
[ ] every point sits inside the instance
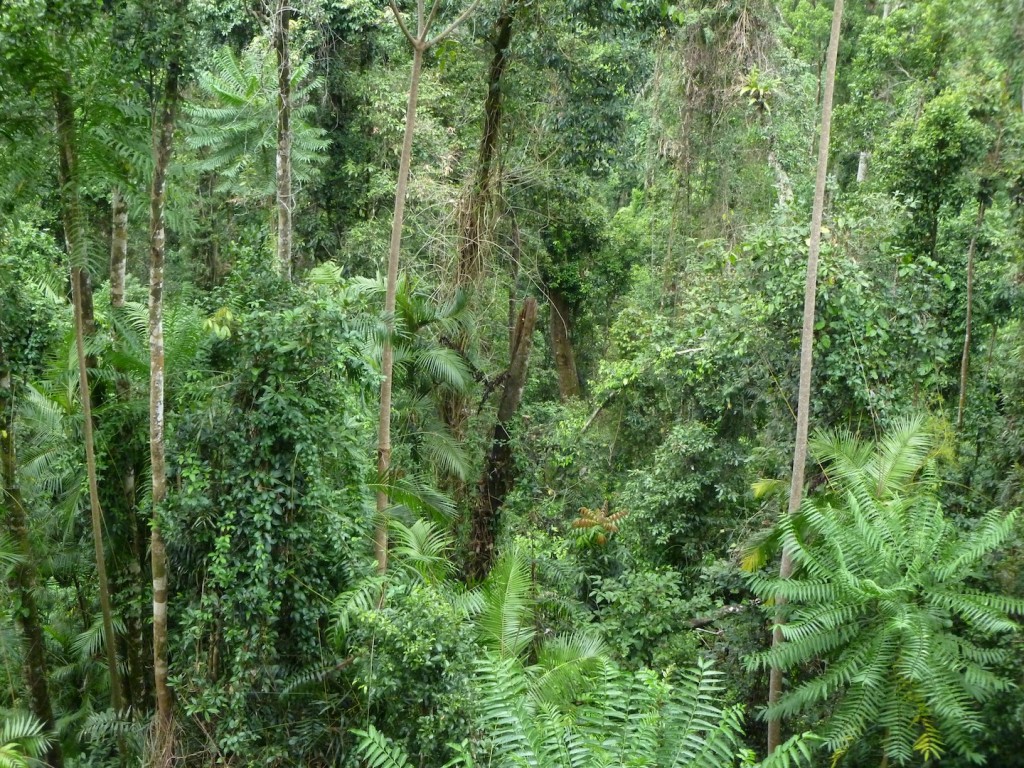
(495, 383)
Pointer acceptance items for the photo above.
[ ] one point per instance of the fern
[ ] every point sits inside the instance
(619, 718)
(879, 592)
(378, 751)
(235, 128)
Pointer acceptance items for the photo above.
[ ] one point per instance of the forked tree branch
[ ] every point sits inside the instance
(401, 24)
(454, 25)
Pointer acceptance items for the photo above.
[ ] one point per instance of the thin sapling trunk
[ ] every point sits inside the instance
(806, 354)
(74, 236)
(420, 44)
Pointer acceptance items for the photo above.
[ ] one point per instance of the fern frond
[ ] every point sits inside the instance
(378, 751)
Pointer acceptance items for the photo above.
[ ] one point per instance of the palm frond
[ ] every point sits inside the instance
(21, 740)
(505, 623)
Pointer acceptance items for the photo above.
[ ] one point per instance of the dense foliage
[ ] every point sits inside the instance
(564, 547)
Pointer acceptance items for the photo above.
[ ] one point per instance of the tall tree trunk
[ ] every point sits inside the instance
(285, 198)
(475, 225)
(118, 247)
(499, 472)
(74, 236)
(477, 213)
(387, 354)
(22, 582)
(163, 142)
(135, 684)
(965, 358)
(862, 166)
(561, 345)
(806, 351)
(420, 44)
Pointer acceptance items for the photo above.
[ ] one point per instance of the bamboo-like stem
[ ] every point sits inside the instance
(285, 196)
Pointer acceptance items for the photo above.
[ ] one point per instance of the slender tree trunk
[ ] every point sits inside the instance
(420, 44)
(499, 472)
(22, 582)
(965, 358)
(135, 687)
(164, 137)
(82, 298)
(806, 350)
(285, 198)
(118, 247)
(783, 184)
(387, 355)
(561, 345)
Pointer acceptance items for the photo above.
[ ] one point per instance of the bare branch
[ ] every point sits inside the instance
(453, 26)
(401, 24)
(430, 18)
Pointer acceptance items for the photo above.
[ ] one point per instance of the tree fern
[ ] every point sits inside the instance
(879, 594)
(620, 719)
(234, 128)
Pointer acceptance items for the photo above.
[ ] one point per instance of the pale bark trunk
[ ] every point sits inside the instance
(387, 354)
(118, 247)
(965, 358)
(74, 236)
(285, 198)
(862, 166)
(806, 353)
(164, 137)
(561, 345)
(420, 44)
(783, 185)
(22, 581)
(499, 472)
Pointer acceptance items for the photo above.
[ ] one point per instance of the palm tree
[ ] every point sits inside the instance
(426, 365)
(882, 591)
(21, 740)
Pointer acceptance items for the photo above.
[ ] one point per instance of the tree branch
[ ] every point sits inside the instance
(433, 14)
(452, 27)
(401, 24)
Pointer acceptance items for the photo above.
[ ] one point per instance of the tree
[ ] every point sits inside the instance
(23, 579)
(796, 487)
(285, 199)
(883, 591)
(74, 235)
(164, 123)
(421, 43)
(499, 470)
